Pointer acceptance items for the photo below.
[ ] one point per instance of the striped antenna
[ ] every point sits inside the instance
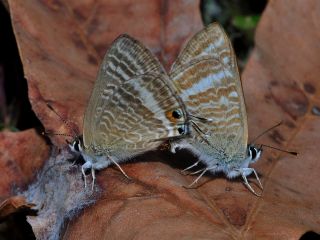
(278, 149)
(266, 131)
(67, 123)
(275, 148)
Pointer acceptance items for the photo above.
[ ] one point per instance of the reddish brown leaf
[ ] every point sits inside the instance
(22, 155)
(14, 205)
(281, 83)
(61, 44)
(13, 212)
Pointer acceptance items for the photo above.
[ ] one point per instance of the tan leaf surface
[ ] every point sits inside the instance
(22, 155)
(61, 44)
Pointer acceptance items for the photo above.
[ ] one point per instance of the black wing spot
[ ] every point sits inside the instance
(177, 114)
(181, 130)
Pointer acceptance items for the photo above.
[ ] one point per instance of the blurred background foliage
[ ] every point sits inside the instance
(239, 18)
(15, 108)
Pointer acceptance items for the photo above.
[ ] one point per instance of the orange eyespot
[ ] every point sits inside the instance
(174, 115)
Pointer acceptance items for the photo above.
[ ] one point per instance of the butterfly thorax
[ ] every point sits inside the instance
(224, 160)
(231, 169)
(226, 151)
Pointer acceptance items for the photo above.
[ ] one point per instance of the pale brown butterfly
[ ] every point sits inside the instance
(207, 80)
(133, 108)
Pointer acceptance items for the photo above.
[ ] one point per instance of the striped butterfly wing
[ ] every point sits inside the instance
(132, 102)
(207, 78)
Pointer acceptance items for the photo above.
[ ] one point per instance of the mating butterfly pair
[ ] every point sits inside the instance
(135, 105)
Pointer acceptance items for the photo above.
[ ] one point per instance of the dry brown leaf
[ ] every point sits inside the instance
(61, 44)
(22, 155)
(13, 223)
(281, 83)
(14, 205)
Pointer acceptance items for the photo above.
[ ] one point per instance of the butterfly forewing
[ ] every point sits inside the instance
(130, 109)
(211, 42)
(208, 82)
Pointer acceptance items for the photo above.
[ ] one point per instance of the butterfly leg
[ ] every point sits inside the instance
(257, 177)
(123, 172)
(197, 179)
(93, 174)
(75, 160)
(244, 173)
(84, 176)
(203, 171)
(196, 172)
(192, 166)
(84, 167)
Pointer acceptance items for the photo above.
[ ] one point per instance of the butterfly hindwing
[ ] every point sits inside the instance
(132, 103)
(207, 78)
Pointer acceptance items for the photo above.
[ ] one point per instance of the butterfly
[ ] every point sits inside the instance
(207, 79)
(133, 108)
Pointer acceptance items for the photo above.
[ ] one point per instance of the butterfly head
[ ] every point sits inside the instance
(76, 145)
(254, 153)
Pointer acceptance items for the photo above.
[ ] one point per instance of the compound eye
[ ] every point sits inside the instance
(253, 151)
(76, 145)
